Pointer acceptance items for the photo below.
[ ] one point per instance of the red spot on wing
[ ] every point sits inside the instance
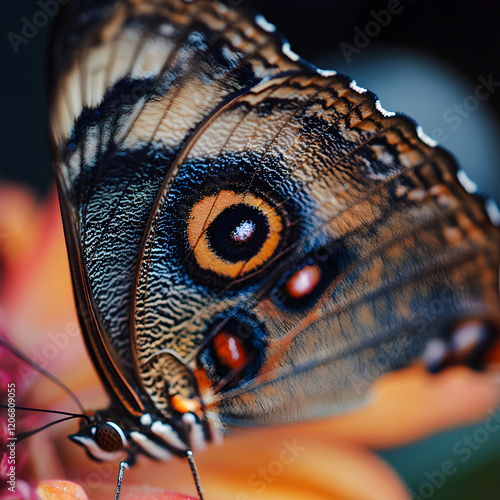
(303, 282)
(230, 351)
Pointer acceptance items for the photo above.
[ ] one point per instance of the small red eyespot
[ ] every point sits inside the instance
(230, 351)
(108, 438)
(303, 282)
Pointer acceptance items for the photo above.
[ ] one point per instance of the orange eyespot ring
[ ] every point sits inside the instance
(108, 438)
(233, 234)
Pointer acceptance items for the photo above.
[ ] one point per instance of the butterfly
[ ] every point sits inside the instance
(252, 240)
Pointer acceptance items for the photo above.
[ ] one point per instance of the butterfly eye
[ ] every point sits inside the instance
(233, 234)
(109, 437)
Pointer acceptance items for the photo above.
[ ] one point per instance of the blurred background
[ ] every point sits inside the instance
(421, 57)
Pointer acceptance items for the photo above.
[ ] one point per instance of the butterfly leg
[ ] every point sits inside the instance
(123, 465)
(194, 472)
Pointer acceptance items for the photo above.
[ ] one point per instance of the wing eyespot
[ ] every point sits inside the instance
(230, 351)
(233, 234)
(304, 281)
(234, 353)
(304, 284)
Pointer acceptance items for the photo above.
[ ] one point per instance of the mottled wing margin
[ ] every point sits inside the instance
(125, 97)
(409, 251)
(155, 55)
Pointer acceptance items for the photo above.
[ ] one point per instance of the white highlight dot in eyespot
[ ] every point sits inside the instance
(244, 231)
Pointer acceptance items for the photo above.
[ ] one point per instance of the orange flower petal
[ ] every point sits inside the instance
(411, 404)
(57, 489)
(60, 490)
(146, 493)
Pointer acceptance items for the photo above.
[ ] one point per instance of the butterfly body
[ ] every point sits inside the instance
(253, 241)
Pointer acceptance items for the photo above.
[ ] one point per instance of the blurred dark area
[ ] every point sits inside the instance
(461, 34)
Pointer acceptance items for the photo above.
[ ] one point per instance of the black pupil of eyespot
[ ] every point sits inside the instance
(238, 232)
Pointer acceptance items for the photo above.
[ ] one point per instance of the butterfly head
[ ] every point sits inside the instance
(110, 435)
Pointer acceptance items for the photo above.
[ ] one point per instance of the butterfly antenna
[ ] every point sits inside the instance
(194, 472)
(43, 410)
(30, 362)
(123, 466)
(27, 434)
(24, 435)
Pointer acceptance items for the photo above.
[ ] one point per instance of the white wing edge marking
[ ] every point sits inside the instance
(425, 138)
(493, 211)
(167, 433)
(264, 23)
(469, 185)
(354, 86)
(287, 50)
(152, 448)
(384, 111)
(326, 72)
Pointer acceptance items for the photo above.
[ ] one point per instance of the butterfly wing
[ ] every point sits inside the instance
(280, 244)
(132, 81)
(305, 242)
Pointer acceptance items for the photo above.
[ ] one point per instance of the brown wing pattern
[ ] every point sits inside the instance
(125, 97)
(273, 238)
(402, 251)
